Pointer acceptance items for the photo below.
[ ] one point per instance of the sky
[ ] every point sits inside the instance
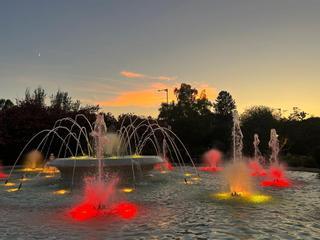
(119, 53)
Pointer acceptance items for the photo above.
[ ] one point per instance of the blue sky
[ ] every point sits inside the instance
(263, 52)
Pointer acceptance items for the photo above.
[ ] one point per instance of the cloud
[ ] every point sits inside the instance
(129, 74)
(150, 96)
(144, 98)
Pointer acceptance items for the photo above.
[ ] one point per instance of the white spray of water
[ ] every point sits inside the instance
(275, 147)
(237, 137)
(99, 135)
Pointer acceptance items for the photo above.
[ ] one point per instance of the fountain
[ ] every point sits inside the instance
(237, 174)
(77, 167)
(274, 146)
(85, 150)
(276, 173)
(165, 165)
(237, 136)
(211, 159)
(256, 164)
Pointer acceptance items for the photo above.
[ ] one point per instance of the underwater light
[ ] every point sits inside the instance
(12, 189)
(127, 190)
(259, 198)
(254, 198)
(188, 174)
(31, 169)
(50, 170)
(9, 184)
(49, 176)
(222, 196)
(61, 192)
(80, 157)
(25, 179)
(196, 178)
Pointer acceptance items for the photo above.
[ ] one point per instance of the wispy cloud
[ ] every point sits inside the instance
(129, 74)
(144, 98)
(150, 96)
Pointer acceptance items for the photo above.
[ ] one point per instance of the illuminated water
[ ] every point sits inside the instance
(167, 209)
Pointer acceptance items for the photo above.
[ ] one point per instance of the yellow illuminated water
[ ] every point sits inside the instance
(12, 189)
(253, 198)
(127, 190)
(61, 192)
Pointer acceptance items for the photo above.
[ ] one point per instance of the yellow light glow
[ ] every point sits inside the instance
(80, 157)
(31, 169)
(49, 176)
(9, 184)
(113, 157)
(136, 156)
(196, 179)
(61, 192)
(50, 170)
(12, 189)
(25, 179)
(127, 190)
(259, 198)
(254, 198)
(188, 174)
(222, 196)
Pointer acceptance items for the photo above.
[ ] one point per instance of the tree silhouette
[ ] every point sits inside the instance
(5, 104)
(224, 104)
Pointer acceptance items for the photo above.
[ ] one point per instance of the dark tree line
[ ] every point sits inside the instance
(201, 123)
(31, 114)
(205, 124)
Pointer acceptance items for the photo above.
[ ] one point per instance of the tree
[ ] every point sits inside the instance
(257, 119)
(37, 98)
(297, 114)
(224, 104)
(190, 118)
(5, 104)
(61, 100)
(186, 95)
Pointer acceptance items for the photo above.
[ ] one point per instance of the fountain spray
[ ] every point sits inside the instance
(237, 137)
(99, 135)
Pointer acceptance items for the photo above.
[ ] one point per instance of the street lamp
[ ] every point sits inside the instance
(167, 93)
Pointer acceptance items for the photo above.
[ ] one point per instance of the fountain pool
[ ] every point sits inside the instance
(166, 208)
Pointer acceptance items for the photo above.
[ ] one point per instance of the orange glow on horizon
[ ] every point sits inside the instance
(150, 97)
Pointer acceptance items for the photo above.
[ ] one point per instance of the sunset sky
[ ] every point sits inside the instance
(119, 53)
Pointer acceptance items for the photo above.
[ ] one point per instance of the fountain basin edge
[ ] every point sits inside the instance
(123, 166)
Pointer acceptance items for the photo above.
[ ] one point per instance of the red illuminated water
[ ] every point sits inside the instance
(210, 161)
(256, 169)
(85, 211)
(99, 200)
(276, 178)
(165, 166)
(2, 174)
